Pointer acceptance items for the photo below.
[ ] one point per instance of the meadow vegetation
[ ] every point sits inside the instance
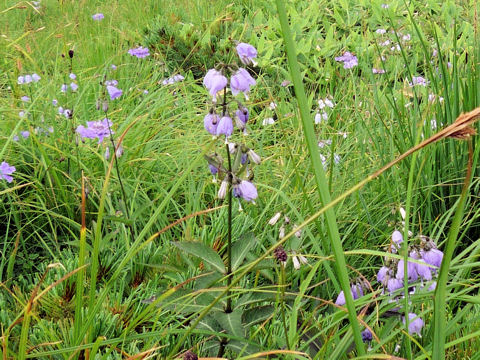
(316, 238)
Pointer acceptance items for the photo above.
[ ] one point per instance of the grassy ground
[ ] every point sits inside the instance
(140, 277)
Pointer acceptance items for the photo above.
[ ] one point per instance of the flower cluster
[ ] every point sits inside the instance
(173, 79)
(95, 130)
(423, 267)
(349, 60)
(27, 79)
(113, 91)
(221, 121)
(140, 52)
(323, 105)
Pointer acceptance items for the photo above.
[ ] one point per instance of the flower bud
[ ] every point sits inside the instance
(70, 53)
(254, 157)
(223, 189)
(275, 218)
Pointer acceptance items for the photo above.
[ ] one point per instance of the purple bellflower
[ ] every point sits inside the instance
(241, 82)
(247, 53)
(210, 122)
(114, 92)
(6, 170)
(95, 130)
(245, 190)
(98, 17)
(415, 324)
(214, 81)
(225, 126)
(367, 335)
(411, 271)
(140, 52)
(433, 257)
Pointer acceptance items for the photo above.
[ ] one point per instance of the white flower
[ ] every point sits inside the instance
(223, 189)
(274, 219)
(268, 121)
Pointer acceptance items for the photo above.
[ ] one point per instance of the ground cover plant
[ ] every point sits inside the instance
(239, 180)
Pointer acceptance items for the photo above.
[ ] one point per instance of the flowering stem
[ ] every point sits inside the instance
(229, 233)
(282, 303)
(118, 169)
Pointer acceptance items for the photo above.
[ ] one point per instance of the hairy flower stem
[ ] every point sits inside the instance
(229, 234)
(282, 303)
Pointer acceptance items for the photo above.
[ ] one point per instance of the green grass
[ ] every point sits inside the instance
(100, 311)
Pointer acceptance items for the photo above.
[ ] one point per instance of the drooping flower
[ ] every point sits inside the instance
(225, 126)
(35, 77)
(415, 324)
(241, 117)
(397, 239)
(25, 134)
(247, 53)
(6, 170)
(280, 255)
(349, 60)
(381, 31)
(95, 130)
(274, 218)
(214, 81)
(139, 52)
(382, 274)
(114, 92)
(241, 82)
(433, 257)
(210, 122)
(73, 86)
(268, 121)
(394, 284)
(367, 335)
(378, 71)
(72, 76)
(98, 16)
(423, 270)
(245, 190)
(25, 99)
(411, 271)
(64, 88)
(172, 80)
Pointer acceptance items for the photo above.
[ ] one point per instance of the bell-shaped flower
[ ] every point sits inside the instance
(6, 170)
(214, 81)
(433, 257)
(210, 122)
(241, 118)
(114, 92)
(225, 126)
(423, 270)
(415, 324)
(95, 130)
(247, 53)
(367, 335)
(394, 284)
(411, 271)
(397, 239)
(241, 82)
(245, 190)
(382, 274)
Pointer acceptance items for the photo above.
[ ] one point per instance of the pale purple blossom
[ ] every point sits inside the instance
(113, 67)
(139, 52)
(64, 88)
(35, 77)
(25, 99)
(245, 190)
(382, 274)
(415, 324)
(210, 122)
(394, 284)
(111, 83)
(25, 134)
(419, 80)
(114, 92)
(433, 257)
(28, 79)
(98, 17)
(95, 130)
(54, 102)
(214, 81)
(241, 82)
(73, 86)
(349, 60)
(381, 31)
(72, 76)
(6, 170)
(174, 79)
(247, 53)
(411, 271)
(225, 126)
(378, 71)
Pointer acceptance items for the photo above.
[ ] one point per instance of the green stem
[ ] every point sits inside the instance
(320, 178)
(229, 234)
(282, 303)
(441, 292)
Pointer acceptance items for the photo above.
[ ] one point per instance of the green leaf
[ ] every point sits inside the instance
(231, 322)
(257, 315)
(241, 248)
(202, 251)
